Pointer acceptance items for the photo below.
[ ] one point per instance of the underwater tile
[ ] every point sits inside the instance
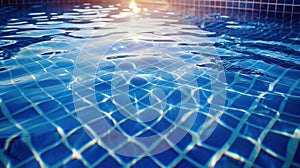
(242, 147)
(74, 163)
(109, 162)
(226, 161)
(264, 159)
(219, 137)
(276, 142)
(56, 155)
(251, 131)
(200, 154)
(94, 153)
(145, 162)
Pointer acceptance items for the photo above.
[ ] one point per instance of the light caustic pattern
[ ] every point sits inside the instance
(153, 96)
(104, 86)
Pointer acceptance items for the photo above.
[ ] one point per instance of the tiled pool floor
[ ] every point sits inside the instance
(102, 86)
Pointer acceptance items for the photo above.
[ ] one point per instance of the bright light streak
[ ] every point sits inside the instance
(133, 7)
(136, 39)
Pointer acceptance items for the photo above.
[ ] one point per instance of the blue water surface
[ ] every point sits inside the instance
(80, 84)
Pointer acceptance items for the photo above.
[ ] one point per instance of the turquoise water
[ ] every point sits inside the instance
(103, 86)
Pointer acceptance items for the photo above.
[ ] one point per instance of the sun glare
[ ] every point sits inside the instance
(133, 6)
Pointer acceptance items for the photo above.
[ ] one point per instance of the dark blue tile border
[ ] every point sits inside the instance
(290, 7)
(266, 6)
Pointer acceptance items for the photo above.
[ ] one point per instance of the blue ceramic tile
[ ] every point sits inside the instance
(271, 7)
(266, 160)
(249, 5)
(242, 147)
(200, 154)
(226, 161)
(297, 9)
(288, 8)
(277, 143)
(242, 5)
(145, 162)
(279, 7)
(56, 154)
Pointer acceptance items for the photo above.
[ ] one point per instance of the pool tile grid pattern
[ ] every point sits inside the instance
(40, 127)
(272, 6)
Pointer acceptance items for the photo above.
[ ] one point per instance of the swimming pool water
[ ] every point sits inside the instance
(103, 86)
